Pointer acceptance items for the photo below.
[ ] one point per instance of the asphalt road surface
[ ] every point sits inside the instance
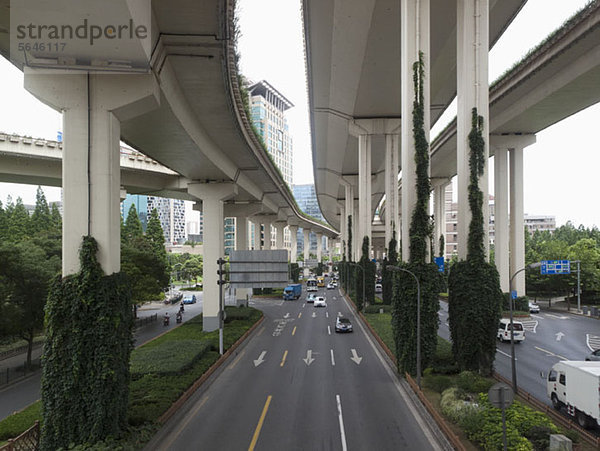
(296, 384)
(549, 338)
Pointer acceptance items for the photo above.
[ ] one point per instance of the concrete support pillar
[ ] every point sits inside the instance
(213, 195)
(472, 92)
(414, 39)
(364, 187)
(356, 238)
(517, 223)
(266, 235)
(501, 241)
(93, 107)
(392, 216)
(349, 210)
(439, 215)
(294, 242)
(343, 226)
(241, 233)
(279, 229)
(306, 233)
(319, 247)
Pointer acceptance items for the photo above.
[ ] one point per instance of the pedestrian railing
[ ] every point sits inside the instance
(11, 374)
(146, 320)
(27, 441)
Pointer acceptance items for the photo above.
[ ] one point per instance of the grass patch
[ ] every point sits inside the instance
(19, 422)
(170, 357)
(382, 323)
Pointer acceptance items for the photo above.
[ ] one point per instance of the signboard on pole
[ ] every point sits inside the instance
(258, 269)
(439, 261)
(552, 267)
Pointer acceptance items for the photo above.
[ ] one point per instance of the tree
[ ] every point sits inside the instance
(24, 275)
(148, 273)
(404, 303)
(387, 277)
(474, 297)
(40, 219)
(133, 226)
(155, 234)
(19, 223)
(3, 223)
(55, 219)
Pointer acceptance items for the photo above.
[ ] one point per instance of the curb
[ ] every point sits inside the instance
(190, 391)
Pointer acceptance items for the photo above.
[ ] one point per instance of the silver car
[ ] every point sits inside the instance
(534, 308)
(594, 356)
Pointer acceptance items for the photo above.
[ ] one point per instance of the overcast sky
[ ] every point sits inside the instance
(560, 169)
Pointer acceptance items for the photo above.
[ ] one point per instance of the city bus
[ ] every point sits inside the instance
(321, 282)
(311, 285)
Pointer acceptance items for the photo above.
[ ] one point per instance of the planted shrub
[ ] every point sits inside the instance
(436, 382)
(472, 382)
(172, 357)
(456, 405)
(238, 313)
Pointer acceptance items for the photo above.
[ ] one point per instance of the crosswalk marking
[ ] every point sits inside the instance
(592, 341)
(530, 325)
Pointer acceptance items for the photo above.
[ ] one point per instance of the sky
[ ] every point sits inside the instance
(560, 169)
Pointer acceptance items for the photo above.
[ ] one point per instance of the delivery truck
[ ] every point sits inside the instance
(576, 385)
(292, 292)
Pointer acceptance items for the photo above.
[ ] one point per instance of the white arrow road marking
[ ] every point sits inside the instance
(328, 330)
(592, 341)
(559, 335)
(303, 305)
(308, 360)
(332, 359)
(341, 421)
(314, 315)
(334, 298)
(287, 315)
(355, 357)
(261, 359)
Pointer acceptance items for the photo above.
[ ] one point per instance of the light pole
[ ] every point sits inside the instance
(578, 284)
(513, 364)
(398, 269)
(363, 284)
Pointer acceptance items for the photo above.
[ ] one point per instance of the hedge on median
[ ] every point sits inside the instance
(171, 357)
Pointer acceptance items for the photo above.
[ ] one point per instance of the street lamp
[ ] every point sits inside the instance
(512, 340)
(363, 284)
(398, 269)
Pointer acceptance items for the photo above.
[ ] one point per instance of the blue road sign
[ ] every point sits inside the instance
(439, 261)
(513, 294)
(552, 267)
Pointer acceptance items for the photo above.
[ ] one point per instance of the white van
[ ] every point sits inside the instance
(504, 331)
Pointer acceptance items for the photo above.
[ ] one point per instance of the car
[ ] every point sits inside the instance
(330, 286)
(378, 288)
(343, 324)
(320, 302)
(534, 308)
(189, 299)
(311, 297)
(594, 356)
(335, 284)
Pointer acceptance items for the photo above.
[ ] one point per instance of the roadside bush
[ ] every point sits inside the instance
(525, 419)
(443, 361)
(374, 308)
(456, 405)
(539, 436)
(237, 313)
(171, 357)
(16, 424)
(473, 383)
(436, 382)
(521, 304)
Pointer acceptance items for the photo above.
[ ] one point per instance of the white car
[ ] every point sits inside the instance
(320, 302)
(311, 297)
(534, 308)
(330, 286)
(378, 288)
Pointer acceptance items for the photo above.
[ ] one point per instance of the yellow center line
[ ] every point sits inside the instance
(294, 331)
(234, 363)
(299, 314)
(283, 360)
(260, 424)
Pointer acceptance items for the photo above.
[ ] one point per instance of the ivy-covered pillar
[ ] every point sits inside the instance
(93, 106)
(343, 226)
(213, 195)
(472, 92)
(414, 40)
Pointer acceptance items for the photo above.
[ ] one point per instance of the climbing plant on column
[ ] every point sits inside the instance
(387, 277)
(474, 298)
(85, 378)
(368, 267)
(404, 303)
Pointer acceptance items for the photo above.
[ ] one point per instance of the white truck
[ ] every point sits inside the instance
(576, 385)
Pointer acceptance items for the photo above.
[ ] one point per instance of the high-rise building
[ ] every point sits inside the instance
(171, 213)
(540, 222)
(306, 198)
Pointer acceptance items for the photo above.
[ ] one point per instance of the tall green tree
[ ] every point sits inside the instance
(147, 273)
(404, 303)
(40, 219)
(19, 223)
(3, 223)
(133, 226)
(474, 298)
(155, 234)
(366, 273)
(55, 219)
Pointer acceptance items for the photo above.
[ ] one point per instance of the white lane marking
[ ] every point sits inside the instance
(551, 353)
(314, 315)
(261, 359)
(332, 359)
(401, 390)
(355, 358)
(341, 420)
(308, 360)
(504, 353)
(327, 314)
(287, 315)
(303, 305)
(559, 335)
(556, 316)
(592, 341)
(328, 330)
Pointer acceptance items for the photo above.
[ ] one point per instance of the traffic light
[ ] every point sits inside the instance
(221, 272)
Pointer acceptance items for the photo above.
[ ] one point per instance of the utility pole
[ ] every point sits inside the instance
(221, 282)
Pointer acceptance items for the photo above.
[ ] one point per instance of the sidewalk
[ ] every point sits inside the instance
(559, 304)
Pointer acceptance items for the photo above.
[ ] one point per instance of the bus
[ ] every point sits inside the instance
(321, 282)
(311, 285)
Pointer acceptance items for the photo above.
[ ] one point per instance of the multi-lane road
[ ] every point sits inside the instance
(549, 337)
(296, 384)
